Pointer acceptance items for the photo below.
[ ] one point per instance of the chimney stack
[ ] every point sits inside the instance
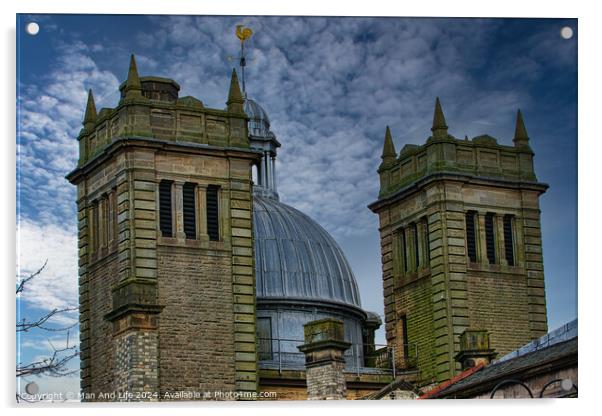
(324, 360)
(474, 348)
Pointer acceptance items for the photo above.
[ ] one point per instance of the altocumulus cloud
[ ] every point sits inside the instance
(330, 85)
(49, 119)
(56, 286)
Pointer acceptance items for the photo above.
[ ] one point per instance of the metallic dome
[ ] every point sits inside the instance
(259, 122)
(295, 258)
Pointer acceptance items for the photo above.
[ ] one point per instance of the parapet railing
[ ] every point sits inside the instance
(282, 354)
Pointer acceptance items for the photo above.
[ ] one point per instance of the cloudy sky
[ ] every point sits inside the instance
(330, 86)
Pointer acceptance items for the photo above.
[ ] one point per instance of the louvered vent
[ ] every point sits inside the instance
(490, 237)
(508, 240)
(165, 215)
(213, 212)
(471, 236)
(189, 202)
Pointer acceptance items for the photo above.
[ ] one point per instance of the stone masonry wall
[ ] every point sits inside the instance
(196, 332)
(326, 382)
(100, 367)
(120, 311)
(136, 383)
(499, 304)
(448, 268)
(459, 294)
(415, 301)
(443, 180)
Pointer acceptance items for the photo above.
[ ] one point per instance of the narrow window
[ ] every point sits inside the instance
(471, 245)
(490, 237)
(189, 202)
(103, 220)
(417, 261)
(213, 212)
(264, 338)
(115, 216)
(110, 218)
(404, 328)
(508, 240)
(404, 250)
(99, 223)
(427, 243)
(165, 215)
(94, 226)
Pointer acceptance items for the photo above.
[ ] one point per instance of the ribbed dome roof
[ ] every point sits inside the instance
(295, 258)
(259, 122)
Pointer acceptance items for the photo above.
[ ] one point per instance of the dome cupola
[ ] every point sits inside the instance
(259, 122)
(261, 138)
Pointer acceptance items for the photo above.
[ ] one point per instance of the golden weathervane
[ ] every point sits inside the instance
(243, 33)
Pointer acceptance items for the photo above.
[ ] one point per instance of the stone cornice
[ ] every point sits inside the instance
(148, 142)
(419, 184)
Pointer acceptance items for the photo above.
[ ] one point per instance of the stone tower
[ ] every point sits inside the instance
(461, 246)
(166, 272)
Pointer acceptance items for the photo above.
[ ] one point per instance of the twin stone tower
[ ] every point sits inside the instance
(167, 280)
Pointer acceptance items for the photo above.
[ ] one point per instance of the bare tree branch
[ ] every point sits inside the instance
(21, 285)
(56, 364)
(25, 326)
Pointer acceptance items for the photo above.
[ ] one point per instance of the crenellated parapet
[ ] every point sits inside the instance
(482, 156)
(151, 107)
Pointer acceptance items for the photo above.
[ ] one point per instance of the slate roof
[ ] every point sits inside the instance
(295, 258)
(490, 375)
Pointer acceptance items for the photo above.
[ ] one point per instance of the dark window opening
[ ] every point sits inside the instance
(115, 216)
(490, 237)
(213, 212)
(404, 329)
(165, 214)
(416, 247)
(111, 218)
(471, 240)
(189, 204)
(508, 240)
(103, 221)
(427, 243)
(404, 250)
(264, 338)
(95, 226)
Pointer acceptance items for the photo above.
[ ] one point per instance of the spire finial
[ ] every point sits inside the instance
(439, 128)
(521, 138)
(389, 154)
(235, 101)
(243, 34)
(133, 87)
(90, 114)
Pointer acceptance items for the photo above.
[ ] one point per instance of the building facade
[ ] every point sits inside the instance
(461, 246)
(166, 266)
(194, 279)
